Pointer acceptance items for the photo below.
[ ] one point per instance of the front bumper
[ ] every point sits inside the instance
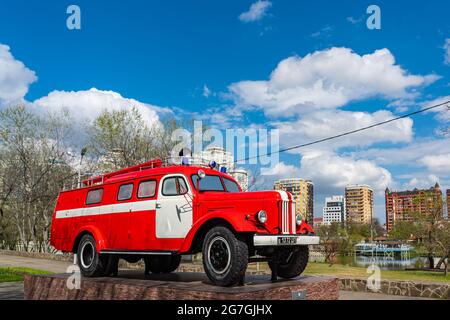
(283, 240)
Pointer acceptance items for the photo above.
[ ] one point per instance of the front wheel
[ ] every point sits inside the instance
(291, 262)
(225, 257)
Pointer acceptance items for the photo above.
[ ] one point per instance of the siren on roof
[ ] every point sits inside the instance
(212, 164)
(185, 161)
(223, 169)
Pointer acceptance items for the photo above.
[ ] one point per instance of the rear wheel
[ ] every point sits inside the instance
(225, 257)
(91, 263)
(162, 263)
(291, 262)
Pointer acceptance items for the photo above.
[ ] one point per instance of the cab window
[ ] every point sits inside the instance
(125, 192)
(231, 185)
(94, 196)
(174, 186)
(146, 189)
(208, 183)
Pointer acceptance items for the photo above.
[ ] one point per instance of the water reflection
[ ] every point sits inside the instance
(385, 263)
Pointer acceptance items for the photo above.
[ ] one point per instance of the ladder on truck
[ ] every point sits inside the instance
(151, 164)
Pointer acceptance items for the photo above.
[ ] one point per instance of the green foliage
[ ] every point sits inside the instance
(123, 138)
(13, 274)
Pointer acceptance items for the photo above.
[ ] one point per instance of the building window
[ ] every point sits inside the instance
(94, 196)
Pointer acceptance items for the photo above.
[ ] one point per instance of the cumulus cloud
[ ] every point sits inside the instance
(442, 113)
(282, 170)
(420, 180)
(15, 77)
(410, 154)
(256, 12)
(86, 105)
(331, 173)
(328, 79)
(322, 124)
(447, 51)
(437, 163)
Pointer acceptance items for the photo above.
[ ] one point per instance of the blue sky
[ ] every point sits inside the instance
(164, 54)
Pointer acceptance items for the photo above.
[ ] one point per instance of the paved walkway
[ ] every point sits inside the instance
(41, 264)
(14, 290)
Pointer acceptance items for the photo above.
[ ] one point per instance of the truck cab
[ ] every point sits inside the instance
(159, 213)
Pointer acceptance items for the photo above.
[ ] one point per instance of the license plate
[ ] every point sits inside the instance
(287, 240)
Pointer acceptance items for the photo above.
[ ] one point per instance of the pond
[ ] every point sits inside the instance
(385, 263)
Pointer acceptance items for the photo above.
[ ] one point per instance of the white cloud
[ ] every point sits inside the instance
(322, 124)
(86, 105)
(206, 91)
(447, 51)
(327, 79)
(256, 12)
(443, 113)
(15, 77)
(322, 33)
(282, 170)
(331, 173)
(437, 163)
(420, 181)
(353, 20)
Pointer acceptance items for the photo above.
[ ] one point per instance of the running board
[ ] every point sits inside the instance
(125, 252)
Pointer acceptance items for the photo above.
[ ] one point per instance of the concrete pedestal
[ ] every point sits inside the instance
(132, 285)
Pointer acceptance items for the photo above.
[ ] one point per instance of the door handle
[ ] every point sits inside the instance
(158, 206)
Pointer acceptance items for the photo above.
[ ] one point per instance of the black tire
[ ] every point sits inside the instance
(292, 262)
(91, 263)
(225, 257)
(162, 263)
(111, 266)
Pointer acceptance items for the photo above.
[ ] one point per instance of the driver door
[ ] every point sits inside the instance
(174, 212)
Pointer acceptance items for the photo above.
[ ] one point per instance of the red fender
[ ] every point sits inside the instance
(98, 236)
(305, 228)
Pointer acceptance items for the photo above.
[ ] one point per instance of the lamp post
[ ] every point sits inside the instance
(82, 154)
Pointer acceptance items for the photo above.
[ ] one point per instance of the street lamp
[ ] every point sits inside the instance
(82, 154)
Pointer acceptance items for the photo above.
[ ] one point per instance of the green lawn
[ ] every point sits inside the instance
(358, 272)
(10, 274)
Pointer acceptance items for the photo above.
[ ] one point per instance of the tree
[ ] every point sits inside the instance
(33, 166)
(403, 230)
(428, 222)
(332, 238)
(120, 139)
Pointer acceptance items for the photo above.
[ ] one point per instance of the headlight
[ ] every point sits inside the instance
(298, 219)
(262, 216)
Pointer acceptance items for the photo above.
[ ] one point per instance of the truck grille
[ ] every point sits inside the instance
(287, 217)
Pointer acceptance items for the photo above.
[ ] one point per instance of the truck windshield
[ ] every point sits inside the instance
(231, 185)
(208, 183)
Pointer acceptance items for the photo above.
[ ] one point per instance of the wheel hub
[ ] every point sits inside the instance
(219, 255)
(87, 255)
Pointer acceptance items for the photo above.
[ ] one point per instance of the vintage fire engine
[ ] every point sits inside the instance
(158, 213)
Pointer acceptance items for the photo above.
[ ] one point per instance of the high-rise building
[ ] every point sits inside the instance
(303, 193)
(359, 203)
(401, 204)
(334, 210)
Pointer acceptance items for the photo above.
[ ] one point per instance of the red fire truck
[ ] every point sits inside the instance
(158, 213)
